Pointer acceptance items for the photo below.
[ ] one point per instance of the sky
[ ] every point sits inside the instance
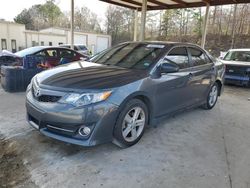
(10, 8)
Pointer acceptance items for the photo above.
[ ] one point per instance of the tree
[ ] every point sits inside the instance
(50, 12)
(119, 23)
(25, 18)
(40, 16)
(86, 20)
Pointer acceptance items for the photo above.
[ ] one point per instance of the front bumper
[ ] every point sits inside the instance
(62, 122)
(237, 80)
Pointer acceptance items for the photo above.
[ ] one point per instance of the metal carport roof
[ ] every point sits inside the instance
(144, 5)
(171, 4)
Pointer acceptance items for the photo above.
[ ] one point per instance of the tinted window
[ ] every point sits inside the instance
(82, 47)
(41, 53)
(198, 57)
(47, 53)
(51, 53)
(133, 55)
(66, 54)
(178, 56)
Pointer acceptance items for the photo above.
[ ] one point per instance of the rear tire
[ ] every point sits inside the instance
(212, 97)
(131, 123)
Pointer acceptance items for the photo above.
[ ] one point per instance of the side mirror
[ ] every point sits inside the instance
(168, 68)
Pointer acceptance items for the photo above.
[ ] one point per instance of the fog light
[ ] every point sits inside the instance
(84, 131)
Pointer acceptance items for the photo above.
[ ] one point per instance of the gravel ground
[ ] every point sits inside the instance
(194, 149)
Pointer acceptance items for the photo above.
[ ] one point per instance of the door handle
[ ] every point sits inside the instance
(190, 76)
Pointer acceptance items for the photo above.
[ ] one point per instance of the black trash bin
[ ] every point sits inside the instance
(12, 78)
(28, 74)
(16, 79)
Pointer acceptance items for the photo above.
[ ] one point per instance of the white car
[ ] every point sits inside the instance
(80, 48)
(237, 63)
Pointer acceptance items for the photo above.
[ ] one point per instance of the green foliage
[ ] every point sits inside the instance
(49, 15)
(50, 11)
(25, 18)
(40, 16)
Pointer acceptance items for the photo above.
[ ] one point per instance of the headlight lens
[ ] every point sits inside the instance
(77, 99)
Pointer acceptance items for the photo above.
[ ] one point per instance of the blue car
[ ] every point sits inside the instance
(237, 63)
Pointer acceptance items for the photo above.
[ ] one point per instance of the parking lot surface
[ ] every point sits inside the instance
(194, 149)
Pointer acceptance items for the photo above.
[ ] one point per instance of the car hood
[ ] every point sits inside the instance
(240, 63)
(87, 75)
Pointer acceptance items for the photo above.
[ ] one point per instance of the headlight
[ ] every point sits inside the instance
(77, 99)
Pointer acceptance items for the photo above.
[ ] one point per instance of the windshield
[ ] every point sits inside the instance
(28, 51)
(243, 56)
(131, 55)
(82, 47)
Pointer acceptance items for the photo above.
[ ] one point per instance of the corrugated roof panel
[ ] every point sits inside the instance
(172, 4)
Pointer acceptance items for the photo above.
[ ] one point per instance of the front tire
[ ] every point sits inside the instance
(131, 123)
(212, 97)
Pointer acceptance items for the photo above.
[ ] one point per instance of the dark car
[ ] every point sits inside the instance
(52, 55)
(8, 59)
(237, 63)
(120, 91)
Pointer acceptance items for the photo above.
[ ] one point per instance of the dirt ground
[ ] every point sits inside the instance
(194, 149)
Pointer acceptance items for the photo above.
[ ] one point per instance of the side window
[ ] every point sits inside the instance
(51, 53)
(66, 54)
(4, 44)
(178, 56)
(198, 57)
(13, 45)
(41, 54)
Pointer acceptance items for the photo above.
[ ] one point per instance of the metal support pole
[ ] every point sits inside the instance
(135, 25)
(204, 33)
(233, 27)
(72, 25)
(143, 19)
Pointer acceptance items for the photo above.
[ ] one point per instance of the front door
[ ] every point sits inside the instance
(173, 90)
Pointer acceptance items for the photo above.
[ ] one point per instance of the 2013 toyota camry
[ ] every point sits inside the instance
(118, 92)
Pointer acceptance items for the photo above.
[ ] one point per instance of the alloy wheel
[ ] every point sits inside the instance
(213, 95)
(133, 124)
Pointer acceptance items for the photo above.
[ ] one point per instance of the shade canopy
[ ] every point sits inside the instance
(171, 4)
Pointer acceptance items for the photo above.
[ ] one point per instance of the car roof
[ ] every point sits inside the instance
(170, 43)
(74, 45)
(240, 49)
(50, 47)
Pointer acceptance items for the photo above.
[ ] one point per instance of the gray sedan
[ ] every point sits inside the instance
(114, 96)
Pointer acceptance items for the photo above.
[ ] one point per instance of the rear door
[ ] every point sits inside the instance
(50, 56)
(173, 91)
(202, 75)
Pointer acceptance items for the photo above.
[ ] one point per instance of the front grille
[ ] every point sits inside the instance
(44, 98)
(48, 98)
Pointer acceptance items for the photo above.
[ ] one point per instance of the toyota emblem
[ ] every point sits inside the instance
(37, 93)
